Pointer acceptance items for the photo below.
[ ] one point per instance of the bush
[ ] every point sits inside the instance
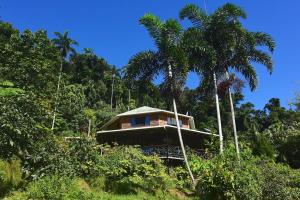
(254, 178)
(223, 178)
(10, 175)
(86, 156)
(63, 188)
(279, 181)
(183, 180)
(127, 170)
(57, 188)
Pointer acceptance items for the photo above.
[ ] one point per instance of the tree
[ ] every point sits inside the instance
(297, 102)
(169, 60)
(28, 60)
(64, 44)
(90, 71)
(235, 47)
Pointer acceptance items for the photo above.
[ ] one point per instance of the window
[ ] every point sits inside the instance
(172, 121)
(140, 121)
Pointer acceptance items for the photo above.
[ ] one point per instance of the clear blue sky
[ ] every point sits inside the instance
(111, 29)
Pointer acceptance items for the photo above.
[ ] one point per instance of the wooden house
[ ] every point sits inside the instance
(154, 130)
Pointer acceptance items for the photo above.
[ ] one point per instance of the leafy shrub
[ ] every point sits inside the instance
(10, 175)
(51, 157)
(17, 195)
(223, 178)
(86, 156)
(97, 183)
(279, 181)
(127, 169)
(22, 124)
(290, 151)
(254, 178)
(72, 158)
(262, 147)
(182, 178)
(57, 188)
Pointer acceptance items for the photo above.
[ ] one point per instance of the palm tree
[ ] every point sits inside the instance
(234, 46)
(169, 60)
(64, 44)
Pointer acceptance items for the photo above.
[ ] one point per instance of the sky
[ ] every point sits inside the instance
(111, 29)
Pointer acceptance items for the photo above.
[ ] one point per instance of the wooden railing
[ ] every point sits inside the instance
(173, 152)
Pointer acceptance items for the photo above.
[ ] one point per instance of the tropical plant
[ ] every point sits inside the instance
(127, 170)
(64, 44)
(10, 175)
(7, 89)
(28, 60)
(170, 60)
(234, 46)
(22, 124)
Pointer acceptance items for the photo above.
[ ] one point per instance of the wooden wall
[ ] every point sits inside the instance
(156, 119)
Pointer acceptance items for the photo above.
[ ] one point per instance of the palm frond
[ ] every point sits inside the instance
(264, 39)
(261, 57)
(143, 66)
(249, 73)
(196, 15)
(64, 43)
(199, 52)
(230, 11)
(153, 24)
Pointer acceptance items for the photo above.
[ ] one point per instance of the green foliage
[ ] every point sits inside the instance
(71, 107)
(57, 188)
(22, 123)
(54, 168)
(262, 147)
(290, 151)
(7, 89)
(223, 178)
(254, 178)
(126, 169)
(279, 181)
(64, 188)
(85, 156)
(10, 175)
(28, 60)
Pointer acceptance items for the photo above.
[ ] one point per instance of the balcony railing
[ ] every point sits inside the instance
(173, 152)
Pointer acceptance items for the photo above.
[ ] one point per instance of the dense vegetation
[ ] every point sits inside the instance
(48, 91)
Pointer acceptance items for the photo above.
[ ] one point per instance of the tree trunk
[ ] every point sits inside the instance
(181, 141)
(179, 134)
(57, 92)
(129, 99)
(112, 91)
(89, 128)
(233, 122)
(218, 113)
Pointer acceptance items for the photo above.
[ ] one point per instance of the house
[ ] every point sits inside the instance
(154, 130)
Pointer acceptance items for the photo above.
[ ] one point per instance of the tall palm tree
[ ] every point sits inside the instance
(235, 47)
(64, 44)
(169, 60)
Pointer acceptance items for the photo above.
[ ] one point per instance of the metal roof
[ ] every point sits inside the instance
(139, 111)
(146, 110)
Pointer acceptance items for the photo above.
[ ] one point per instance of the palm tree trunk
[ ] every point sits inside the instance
(233, 122)
(112, 91)
(179, 134)
(89, 128)
(218, 113)
(181, 141)
(129, 99)
(57, 91)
